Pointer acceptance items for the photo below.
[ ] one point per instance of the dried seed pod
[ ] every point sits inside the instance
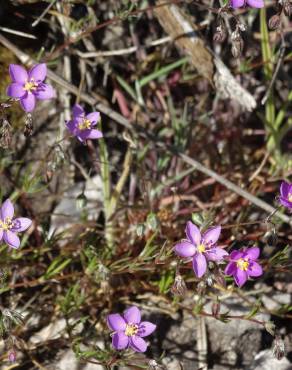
(274, 22)
(179, 287)
(220, 34)
(279, 348)
(237, 44)
(153, 365)
(28, 125)
(287, 7)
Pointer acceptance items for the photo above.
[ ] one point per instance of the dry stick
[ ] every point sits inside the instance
(24, 58)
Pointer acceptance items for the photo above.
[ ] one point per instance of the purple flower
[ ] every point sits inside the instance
(9, 226)
(81, 125)
(28, 87)
(286, 194)
(243, 265)
(202, 248)
(129, 330)
(251, 3)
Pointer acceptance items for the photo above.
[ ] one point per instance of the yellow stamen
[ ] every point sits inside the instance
(6, 224)
(290, 197)
(131, 329)
(201, 248)
(242, 264)
(30, 86)
(84, 125)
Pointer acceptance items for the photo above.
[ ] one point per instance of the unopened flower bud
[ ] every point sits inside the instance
(12, 355)
(179, 287)
(279, 348)
(274, 22)
(81, 201)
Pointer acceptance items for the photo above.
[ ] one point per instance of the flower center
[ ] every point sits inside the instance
(131, 329)
(242, 264)
(30, 86)
(201, 248)
(7, 224)
(290, 197)
(84, 125)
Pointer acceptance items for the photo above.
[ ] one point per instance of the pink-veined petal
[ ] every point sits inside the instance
(44, 92)
(11, 239)
(120, 340)
(15, 90)
(216, 254)
(252, 253)
(255, 269)
(185, 249)
(240, 277)
(21, 224)
(138, 344)
(230, 268)
(38, 72)
(18, 73)
(199, 264)
(28, 102)
(132, 315)
(7, 209)
(146, 328)
(193, 233)
(116, 322)
(93, 117)
(212, 235)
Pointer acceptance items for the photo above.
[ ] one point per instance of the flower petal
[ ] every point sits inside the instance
(44, 92)
(212, 235)
(15, 90)
(285, 203)
(38, 72)
(78, 110)
(132, 315)
(94, 134)
(240, 277)
(216, 254)
(21, 224)
(235, 255)
(11, 239)
(230, 268)
(284, 189)
(7, 209)
(116, 322)
(256, 3)
(28, 102)
(185, 249)
(120, 340)
(252, 253)
(93, 117)
(138, 344)
(146, 328)
(18, 73)
(193, 233)
(199, 264)
(1, 234)
(254, 269)
(237, 3)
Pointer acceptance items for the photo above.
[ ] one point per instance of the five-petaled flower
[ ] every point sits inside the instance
(251, 3)
(9, 226)
(243, 265)
(129, 330)
(202, 248)
(82, 125)
(28, 87)
(286, 195)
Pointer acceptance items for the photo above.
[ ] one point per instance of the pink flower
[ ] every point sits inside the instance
(286, 195)
(202, 248)
(28, 87)
(251, 3)
(243, 265)
(129, 330)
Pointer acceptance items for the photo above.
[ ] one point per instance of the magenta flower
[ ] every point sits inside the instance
(243, 265)
(251, 3)
(9, 226)
(28, 87)
(129, 330)
(81, 125)
(202, 248)
(286, 194)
